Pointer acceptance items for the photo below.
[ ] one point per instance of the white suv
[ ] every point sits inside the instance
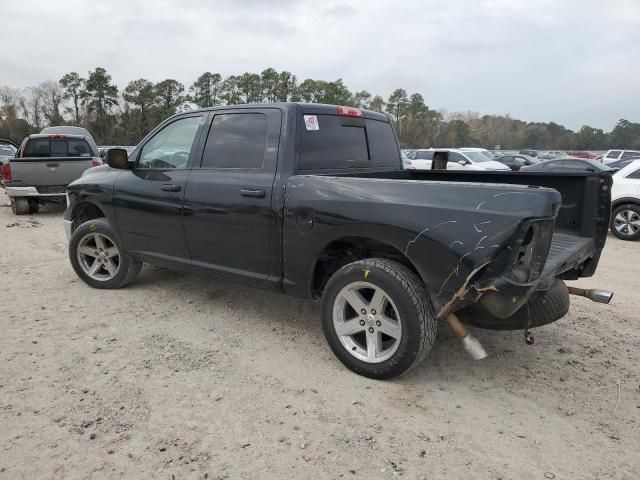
(614, 155)
(625, 202)
(456, 160)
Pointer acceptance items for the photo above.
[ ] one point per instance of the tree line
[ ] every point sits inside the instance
(124, 117)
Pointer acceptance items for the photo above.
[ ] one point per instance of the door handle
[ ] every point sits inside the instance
(253, 192)
(53, 165)
(171, 187)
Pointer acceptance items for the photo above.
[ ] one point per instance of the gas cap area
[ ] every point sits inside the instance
(304, 220)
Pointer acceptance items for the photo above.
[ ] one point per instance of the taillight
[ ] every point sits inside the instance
(350, 112)
(95, 163)
(6, 173)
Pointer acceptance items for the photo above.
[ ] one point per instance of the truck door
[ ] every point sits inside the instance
(148, 199)
(228, 215)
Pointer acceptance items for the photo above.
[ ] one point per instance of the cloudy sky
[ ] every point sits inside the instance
(571, 61)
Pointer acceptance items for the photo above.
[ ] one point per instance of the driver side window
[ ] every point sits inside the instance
(170, 147)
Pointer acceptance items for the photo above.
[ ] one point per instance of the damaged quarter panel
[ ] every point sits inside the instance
(446, 230)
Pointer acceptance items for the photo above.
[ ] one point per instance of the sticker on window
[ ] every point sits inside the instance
(311, 122)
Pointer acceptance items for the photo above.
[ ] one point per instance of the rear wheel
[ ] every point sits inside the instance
(625, 222)
(377, 318)
(20, 206)
(97, 257)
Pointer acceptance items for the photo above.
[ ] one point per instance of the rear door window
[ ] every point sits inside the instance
(344, 142)
(236, 140)
(614, 154)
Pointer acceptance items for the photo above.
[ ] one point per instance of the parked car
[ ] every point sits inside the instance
(584, 154)
(568, 164)
(530, 152)
(614, 155)
(517, 161)
(549, 156)
(43, 167)
(311, 200)
(406, 157)
(625, 202)
(455, 159)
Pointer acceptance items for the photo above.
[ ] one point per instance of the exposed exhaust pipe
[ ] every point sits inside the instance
(593, 294)
(469, 342)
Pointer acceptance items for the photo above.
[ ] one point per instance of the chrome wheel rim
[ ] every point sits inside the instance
(627, 222)
(367, 322)
(98, 257)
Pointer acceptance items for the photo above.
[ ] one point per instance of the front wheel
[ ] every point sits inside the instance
(377, 318)
(97, 257)
(625, 222)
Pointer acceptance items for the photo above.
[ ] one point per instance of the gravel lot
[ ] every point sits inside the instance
(186, 377)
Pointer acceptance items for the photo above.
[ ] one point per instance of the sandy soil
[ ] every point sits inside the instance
(184, 377)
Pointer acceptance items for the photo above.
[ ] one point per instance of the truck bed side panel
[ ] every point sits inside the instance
(445, 229)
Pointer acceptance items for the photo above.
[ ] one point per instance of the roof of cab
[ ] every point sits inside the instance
(305, 108)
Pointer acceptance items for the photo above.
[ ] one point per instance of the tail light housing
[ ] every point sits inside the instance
(530, 250)
(6, 172)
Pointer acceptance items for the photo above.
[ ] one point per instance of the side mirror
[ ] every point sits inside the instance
(102, 153)
(117, 158)
(462, 162)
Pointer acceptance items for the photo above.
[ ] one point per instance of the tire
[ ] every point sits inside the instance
(20, 206)
(406, 312)
(94, 248)
(625, 222)
(543, 308)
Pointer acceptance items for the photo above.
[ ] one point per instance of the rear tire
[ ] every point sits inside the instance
(392, 326)
(625, 222)
(98, 258)
(20, 206)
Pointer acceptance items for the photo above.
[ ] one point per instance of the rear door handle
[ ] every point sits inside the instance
(53, 165)
(253, 192)
(171, 187)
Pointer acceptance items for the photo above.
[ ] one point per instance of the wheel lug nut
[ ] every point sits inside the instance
(363, 311)
(373, 312)
(370, 329)
(362, 322)
(378, 323)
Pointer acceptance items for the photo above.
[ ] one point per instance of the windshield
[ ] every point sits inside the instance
(477, 157)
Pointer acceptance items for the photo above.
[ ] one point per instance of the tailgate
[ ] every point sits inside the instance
(48, 171)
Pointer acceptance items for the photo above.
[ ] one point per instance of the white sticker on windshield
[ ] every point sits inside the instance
(311, 122)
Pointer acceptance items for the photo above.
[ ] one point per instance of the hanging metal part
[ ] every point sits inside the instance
(593, 294)
(469, 342)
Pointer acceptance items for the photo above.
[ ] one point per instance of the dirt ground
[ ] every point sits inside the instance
(185, 377)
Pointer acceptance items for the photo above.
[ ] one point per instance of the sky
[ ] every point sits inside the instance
(575, 62)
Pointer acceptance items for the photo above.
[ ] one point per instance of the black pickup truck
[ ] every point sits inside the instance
(311, 200)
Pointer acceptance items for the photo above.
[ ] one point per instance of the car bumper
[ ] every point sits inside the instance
(29, 192)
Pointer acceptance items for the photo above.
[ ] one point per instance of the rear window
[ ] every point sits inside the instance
(345, 142)
(47, 147)
(613, 154)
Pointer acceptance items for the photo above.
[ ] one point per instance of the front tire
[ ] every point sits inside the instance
(377, 318)
(97, 257)
(625, 222)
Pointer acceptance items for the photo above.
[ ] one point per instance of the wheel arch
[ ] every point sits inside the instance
(347, 249)
(623, 201)
(85, 211)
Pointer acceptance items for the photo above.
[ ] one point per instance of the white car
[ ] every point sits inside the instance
(457, 160)
(615, 155)
(490, 155)
(625, 202)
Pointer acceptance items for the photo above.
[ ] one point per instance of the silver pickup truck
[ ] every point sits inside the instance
(43, 167)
